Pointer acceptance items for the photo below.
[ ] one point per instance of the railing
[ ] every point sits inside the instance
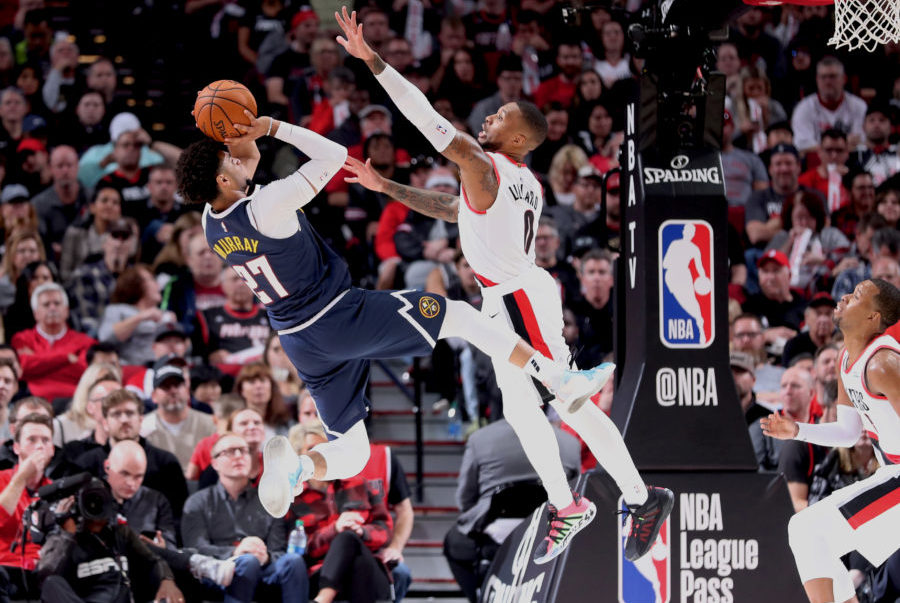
(414, 395)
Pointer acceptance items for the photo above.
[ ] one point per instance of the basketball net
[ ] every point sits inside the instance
(857, 23)
(865, 23)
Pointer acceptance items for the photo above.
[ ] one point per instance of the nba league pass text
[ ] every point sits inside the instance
(706, 562)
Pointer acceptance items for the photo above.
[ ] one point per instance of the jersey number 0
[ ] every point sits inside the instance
(260, 266)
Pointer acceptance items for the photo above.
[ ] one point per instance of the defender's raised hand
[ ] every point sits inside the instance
(364, 174)
(353, 41)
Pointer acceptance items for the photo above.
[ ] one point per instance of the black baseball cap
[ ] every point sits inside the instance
(784, 148)
(168, 328)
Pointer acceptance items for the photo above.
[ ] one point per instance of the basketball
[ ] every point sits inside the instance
(702, 286)
(221, 105)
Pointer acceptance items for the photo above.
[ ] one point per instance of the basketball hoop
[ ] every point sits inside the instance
(857, 23)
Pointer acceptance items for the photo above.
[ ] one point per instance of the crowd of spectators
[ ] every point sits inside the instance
(122, 324)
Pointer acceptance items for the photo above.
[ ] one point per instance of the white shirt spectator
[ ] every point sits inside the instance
(811, 118)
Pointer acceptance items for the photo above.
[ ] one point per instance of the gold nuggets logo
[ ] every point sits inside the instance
(429, 307)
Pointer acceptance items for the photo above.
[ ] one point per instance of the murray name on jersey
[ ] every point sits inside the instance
(227, 245)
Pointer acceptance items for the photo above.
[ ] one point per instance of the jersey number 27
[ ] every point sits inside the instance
(260, 267)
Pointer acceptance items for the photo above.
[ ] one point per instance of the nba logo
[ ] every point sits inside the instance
(686, 284)
(647, 580)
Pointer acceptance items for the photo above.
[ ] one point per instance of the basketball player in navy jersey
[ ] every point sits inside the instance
(329, 329)
(498, 211)
(864, 516)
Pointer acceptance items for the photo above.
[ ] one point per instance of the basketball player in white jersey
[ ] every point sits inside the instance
(498, 216)
(864, 516)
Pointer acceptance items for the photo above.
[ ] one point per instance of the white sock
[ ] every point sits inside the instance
(307, 468)
(546, 371)
(606, 444)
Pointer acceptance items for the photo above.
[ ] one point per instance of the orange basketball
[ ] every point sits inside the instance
(221, 105)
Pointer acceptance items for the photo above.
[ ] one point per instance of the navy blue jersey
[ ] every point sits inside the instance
(294, 278)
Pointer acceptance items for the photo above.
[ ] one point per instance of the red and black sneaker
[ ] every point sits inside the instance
(564, 524)
(646, 520)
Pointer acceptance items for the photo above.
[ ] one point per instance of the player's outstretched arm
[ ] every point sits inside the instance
(275, 207)
(844, 432)
(434, 204)
(476, 169)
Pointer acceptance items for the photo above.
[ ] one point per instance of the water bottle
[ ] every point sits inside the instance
(297, 539)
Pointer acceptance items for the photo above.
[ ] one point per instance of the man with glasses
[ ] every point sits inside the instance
(748, 337)
(92, 284)
(122, 417)
(227, 521)
(831, 107)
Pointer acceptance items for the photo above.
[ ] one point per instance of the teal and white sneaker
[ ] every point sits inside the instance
(577, 387)
(280, 482)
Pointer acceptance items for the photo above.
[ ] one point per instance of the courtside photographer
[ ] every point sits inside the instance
(92, 557)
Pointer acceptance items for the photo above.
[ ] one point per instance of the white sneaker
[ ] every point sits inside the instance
(280, 478)
(577, 387)
(219, 571)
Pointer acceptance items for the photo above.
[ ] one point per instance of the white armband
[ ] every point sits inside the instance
(415, 106)
(843, 433)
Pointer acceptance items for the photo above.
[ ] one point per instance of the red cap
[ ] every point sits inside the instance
(31, 144)
(304, 14)
(612, 182)
(775, 256)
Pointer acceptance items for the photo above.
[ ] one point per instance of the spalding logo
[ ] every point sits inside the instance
(220, 128)
(679, 162)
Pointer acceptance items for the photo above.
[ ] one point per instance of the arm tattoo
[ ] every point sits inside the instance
(434, 204)
(376, 64)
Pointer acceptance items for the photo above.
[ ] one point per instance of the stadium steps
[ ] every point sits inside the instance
(393, 423)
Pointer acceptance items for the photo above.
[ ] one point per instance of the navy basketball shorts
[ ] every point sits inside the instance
(332, 352)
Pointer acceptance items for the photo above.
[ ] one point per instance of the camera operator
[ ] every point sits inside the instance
(33, 444)
(92, 559)
(149, 514)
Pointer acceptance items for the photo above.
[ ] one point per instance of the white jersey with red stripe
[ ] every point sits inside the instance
(499, 242)
(879, 418)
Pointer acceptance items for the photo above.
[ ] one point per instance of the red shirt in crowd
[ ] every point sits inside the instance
(814, 180)
(320, 510)
(392, 216)
(557, 89)
(48, 371)
(11, 527)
